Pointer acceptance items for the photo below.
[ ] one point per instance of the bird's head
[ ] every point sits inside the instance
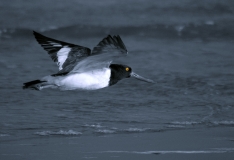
(119, 71)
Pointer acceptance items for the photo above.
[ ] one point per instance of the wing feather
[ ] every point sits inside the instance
(103, 54)
(110, 45)
(66, 55)
(74, 58)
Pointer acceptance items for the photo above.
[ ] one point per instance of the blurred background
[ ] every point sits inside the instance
(160, 19)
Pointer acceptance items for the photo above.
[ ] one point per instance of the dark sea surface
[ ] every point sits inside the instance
(187, 47)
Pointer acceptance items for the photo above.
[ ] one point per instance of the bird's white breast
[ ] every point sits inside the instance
(95, 79)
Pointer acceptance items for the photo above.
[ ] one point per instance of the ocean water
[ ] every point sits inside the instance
(185, 46)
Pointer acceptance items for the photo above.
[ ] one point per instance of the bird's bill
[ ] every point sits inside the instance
(141, 78)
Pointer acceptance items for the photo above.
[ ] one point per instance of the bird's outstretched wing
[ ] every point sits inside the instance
(74, 58)
(103, 54)
(110, 45)
(66, 55)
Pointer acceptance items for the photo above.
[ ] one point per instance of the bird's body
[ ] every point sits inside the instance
(90, 80)
(79, 68)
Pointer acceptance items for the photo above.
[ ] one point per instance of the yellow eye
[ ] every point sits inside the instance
(127, 69)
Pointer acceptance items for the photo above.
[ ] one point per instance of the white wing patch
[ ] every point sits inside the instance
(62, 55)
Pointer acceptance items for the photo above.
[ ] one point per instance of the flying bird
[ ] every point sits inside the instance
(81, 68)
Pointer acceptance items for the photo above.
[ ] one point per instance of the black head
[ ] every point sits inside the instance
(118, 72)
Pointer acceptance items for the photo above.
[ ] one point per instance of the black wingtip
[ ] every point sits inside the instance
(116, 40)
(120, 42)
(38, 35)
(35, 33)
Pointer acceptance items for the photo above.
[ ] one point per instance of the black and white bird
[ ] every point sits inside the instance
(79, 68)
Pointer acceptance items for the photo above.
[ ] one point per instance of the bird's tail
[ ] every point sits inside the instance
(36, 84)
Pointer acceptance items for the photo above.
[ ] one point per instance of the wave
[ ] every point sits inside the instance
(185, 123)
(61, 132)
(137, 129)
(182, 124)
(175, 126)
(198, 9)
(100, 129)
(93, 126)
(4, 135)
(105, 131)
(208, 30)
(223, 123)
(218, 150)
(128, 130)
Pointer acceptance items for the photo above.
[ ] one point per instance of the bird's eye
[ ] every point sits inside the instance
(127, 69)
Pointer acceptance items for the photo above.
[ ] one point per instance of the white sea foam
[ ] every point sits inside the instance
(210, 22)
(223, 122)
(93, 125)
(105, 131)
(136, 129)
(61, 132)
(4, 135)
(186, 123)
(128, 130)
(175, 126)
(217, 150)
